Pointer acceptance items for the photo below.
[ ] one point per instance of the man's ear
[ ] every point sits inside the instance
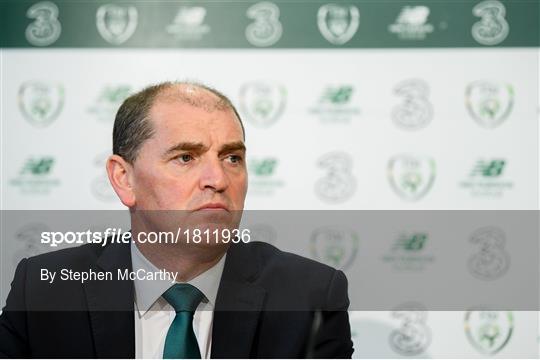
(120, 176)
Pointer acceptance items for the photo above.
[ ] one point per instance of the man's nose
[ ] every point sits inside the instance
(213, 176)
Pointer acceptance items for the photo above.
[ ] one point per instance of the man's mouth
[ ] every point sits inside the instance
(213, 207)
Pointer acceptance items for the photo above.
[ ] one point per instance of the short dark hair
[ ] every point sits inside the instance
(132, 126)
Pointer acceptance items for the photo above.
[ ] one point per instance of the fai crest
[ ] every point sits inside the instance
(492, 28)
(266, 29)
(262, 103)
(411, 177)
(489, 103)
(40, 103)
(338, 23)
(46, 28)
(489, 331)
(334, 246)
(116, 23)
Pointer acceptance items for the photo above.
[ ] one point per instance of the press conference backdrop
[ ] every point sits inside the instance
(358, 105)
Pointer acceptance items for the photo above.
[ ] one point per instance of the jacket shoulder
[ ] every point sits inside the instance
(296, 282)
(272, 256)
(74, 257)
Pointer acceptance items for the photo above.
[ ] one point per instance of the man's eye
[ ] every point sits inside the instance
(235, 159)
(185, 158)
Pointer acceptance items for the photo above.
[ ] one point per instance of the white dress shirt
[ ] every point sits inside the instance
(154, 315)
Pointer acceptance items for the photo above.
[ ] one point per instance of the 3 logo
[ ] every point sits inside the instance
(413, 337)
(266, 29)
(46, 28)
(492, 28)
(415, 112)
(338, 184)
(492, 260)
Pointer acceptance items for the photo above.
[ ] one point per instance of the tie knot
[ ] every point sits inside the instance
(183, 297)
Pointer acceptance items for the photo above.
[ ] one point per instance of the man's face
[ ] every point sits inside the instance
(195, 161)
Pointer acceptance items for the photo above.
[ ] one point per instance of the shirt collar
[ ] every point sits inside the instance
(147, 292)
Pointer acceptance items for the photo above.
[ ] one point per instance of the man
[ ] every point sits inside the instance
(179, 162)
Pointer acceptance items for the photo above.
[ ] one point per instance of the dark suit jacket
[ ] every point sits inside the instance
(266, 305)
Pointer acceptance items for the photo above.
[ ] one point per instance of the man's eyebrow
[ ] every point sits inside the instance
(234, 146)
(185, 146)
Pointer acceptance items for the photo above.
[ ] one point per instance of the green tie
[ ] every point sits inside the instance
(181, 342)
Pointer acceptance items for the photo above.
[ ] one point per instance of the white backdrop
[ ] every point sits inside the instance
(56, 160)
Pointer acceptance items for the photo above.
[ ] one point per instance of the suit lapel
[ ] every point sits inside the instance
(238, 306)
(111, 306)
